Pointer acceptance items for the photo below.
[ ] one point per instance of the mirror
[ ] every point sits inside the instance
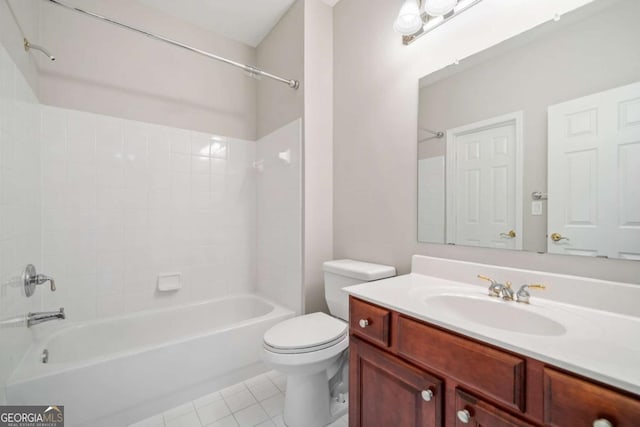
(534, 144)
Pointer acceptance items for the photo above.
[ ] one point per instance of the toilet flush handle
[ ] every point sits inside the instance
(363, 323)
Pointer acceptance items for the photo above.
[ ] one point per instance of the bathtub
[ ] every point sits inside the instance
(115, 371)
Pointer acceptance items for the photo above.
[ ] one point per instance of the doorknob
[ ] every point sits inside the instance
(511, 234)
(556, 237)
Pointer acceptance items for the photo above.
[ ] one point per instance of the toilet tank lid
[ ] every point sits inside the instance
(365, 271)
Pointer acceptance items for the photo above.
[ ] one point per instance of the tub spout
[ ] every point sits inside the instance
(45, 316)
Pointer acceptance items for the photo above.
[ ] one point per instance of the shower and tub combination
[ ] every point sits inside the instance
(110, 372)
(118, 206)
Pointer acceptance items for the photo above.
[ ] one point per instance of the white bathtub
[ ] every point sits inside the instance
(111, 372)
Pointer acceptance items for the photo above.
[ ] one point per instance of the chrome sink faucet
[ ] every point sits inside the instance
(45, 316)
(498, 290)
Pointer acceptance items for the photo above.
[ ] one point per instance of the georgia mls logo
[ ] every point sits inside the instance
(32, 416)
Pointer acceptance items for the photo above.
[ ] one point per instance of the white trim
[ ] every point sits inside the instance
(517, 118)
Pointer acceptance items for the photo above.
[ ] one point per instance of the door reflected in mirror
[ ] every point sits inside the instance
(554, 111)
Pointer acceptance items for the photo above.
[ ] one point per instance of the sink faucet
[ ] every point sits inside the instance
(507, 293)
(499, 290)
(44, 316)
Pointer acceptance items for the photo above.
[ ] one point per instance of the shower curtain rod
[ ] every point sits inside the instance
(436, 135)
(294, 84)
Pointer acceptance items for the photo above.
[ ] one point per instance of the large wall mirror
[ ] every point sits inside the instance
(534, 144)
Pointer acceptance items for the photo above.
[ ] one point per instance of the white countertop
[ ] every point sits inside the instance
(598, 344)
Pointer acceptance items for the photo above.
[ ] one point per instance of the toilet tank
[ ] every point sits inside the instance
(346, 272)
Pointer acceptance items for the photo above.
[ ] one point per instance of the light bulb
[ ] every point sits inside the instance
(409, 20)
(439, 7)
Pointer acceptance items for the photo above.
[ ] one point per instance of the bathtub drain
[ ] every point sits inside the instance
(45, 356)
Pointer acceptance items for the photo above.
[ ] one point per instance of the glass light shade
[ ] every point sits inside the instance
(409, 20)
(439, 7)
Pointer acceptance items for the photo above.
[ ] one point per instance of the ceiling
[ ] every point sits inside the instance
(246, 21)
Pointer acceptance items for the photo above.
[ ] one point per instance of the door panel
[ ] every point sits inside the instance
(484, 192)
(594, 197)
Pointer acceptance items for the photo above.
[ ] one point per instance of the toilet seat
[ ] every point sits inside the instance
(305, 334)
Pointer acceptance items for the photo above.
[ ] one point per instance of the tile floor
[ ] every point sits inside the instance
(257, 402)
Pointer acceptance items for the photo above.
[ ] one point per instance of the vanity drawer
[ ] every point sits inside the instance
(572, 401)
(471, 411)
(494, 373)
(369, 321)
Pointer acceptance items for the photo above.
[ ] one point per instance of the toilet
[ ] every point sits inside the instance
(311, 350)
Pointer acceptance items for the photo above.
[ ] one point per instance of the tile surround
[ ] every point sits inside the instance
(217, 409)
(20, 202)
(126, 201)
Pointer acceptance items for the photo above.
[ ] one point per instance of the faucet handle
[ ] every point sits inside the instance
(31, 279)
(524, 296)
(41, 278)
(488, 279)
(495, 289)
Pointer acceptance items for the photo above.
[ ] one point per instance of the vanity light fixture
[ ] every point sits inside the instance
(409, 20)
(418, 17)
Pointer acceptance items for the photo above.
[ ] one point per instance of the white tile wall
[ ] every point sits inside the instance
(19, 208)
(124, 201)
(279, 217)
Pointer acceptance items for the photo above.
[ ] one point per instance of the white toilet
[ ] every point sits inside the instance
(312, 349)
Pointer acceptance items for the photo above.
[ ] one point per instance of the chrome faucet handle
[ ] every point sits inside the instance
(31, 279)
(524, 296)
(495, 289)
(41, 278)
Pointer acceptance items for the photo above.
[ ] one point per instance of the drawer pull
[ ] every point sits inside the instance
(363, 323)
(427, 395)
(602, 422)
(464, 416)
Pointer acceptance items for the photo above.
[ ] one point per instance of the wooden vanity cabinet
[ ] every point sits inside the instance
(405, 372)
(386, 391)
(573, 401)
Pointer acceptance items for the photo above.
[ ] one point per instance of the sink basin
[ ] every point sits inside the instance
(494, 313)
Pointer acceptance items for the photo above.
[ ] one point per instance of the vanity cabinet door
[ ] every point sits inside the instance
(473, 412)
(385, 391)
(570, 401)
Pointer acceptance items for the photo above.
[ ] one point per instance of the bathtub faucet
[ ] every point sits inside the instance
(44, 316)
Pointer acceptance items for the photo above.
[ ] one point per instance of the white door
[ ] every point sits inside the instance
(484, 183)
(594, 175)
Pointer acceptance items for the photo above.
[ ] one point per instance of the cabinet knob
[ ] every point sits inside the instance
(427, 395)
(363, 323)
(602, 422)
(464, 416)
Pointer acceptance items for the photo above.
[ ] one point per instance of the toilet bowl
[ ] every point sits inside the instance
(305, 349)
(311, 350)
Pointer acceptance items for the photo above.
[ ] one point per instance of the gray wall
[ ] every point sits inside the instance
(301, 46)
(19, 19)
(107, 70)
(579, 58)
(376, 117)
(282, 53)
(318, 152)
